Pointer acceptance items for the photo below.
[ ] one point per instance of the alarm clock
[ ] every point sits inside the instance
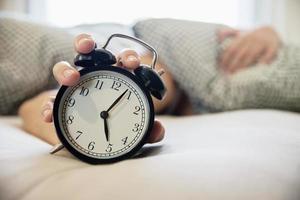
(108, 115)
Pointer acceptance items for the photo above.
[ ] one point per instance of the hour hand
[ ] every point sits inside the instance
(106, 130)
(104, 116)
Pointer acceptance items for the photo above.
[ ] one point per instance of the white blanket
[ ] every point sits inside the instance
(236, 155)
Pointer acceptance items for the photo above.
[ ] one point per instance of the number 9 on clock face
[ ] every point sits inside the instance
(107, 116)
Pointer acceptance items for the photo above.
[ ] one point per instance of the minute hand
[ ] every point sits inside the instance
(116, 101)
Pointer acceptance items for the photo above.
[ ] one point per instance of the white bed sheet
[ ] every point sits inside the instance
(252, 154)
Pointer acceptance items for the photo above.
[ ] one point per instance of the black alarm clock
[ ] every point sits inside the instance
(108, 115)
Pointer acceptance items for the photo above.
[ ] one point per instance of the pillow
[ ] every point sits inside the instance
(190, 51)
(28, 52)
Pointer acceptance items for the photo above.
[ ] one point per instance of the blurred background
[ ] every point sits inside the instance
(284, 15)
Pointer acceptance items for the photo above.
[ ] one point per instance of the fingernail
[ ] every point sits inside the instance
(83, 40)
(46, 112)
(131, 58)
(68, 73)
(46, 108)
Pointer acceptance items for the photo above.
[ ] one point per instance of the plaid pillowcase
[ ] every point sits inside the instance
(28, 52)
(190, 50)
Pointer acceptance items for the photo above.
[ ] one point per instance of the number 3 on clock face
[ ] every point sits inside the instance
(107, 116)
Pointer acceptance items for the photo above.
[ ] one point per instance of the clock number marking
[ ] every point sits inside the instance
(70, 119)
(124, 140)
(116, 85)
(109, 148)
(91, 145)
(84, 91)
(129, 95)
(99, 84)
(71, 102)
(137, 109)
(136, 127)
(80, 133)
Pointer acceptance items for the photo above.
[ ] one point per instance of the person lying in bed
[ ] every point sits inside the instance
(205, 71)
(246, 49)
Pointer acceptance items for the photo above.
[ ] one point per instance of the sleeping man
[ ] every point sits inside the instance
(208, 68)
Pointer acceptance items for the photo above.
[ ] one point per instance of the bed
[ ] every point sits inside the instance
(250, 154)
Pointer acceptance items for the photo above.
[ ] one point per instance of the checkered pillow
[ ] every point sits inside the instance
(28, 52)
(190, 50)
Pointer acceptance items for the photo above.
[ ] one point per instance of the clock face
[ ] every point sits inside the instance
(105, 115)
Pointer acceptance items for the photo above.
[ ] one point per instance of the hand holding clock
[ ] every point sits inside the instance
(66, 75)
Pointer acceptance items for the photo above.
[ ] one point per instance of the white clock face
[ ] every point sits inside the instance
(105, 115)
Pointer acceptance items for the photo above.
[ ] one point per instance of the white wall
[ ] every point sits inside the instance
(292, 21)
(284, 15)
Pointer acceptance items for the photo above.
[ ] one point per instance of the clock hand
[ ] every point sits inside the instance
(104, 116)
(106, 130)
(116, 101)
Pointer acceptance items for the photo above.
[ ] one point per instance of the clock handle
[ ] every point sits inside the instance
(138, 41)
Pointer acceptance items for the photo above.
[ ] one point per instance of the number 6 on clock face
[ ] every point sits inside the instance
(107, 116)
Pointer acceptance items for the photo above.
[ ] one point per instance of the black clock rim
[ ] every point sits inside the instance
(88, 159)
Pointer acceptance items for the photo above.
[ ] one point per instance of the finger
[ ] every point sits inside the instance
(65, 74)
(250, 59)
(231, 52)
(47, 108)
(253, 56)
(128, 58)
(224, 33)
(237, 61)
(84, 43)
(268, 56)
(157, 133)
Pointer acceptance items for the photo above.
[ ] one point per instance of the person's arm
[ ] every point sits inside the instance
(260, 72)
(191, 50)
(37, 111)
(247, 48)
(33, 122)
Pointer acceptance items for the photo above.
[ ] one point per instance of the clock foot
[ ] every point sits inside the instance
(57, 148)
